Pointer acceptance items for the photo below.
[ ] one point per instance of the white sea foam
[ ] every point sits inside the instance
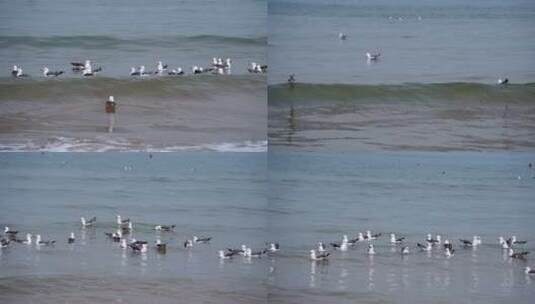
(66, 144)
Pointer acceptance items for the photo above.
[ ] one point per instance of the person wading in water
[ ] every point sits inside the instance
(110, 110)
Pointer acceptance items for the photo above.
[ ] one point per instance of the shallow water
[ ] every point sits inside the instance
(321, 196)
(420, 41)
(213, 194)
(409, 117)
(191, 113)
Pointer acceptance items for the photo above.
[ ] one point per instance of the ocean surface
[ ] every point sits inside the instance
(222, 195)
(404, 117)
(120, 34)
(155, 113)
(420, 41)
(317, 196)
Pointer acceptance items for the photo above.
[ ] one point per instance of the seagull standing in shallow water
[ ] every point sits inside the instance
(88, 223)
(71, 238)
(394, 240)
(318, 257)
(273, 247)
(39, 242)
(48, 73)
(373, 56)
(503, 81)
(225, 255)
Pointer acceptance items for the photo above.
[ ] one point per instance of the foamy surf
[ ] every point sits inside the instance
(66, 144)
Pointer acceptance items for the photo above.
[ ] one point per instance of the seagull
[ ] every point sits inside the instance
(371, 250)
(71, 238)
(253, 68)
(238, 251)
(369, 236)
(88, 71)
(120, 221)
(115, 236)
(318, 257)
(514, 241)
(373, 56)
(447, 245)
(201, 240)
(188, 244)
(436, 241)
(528, 270)
(342, 36)
(424, 247)
(20, 74)
(254, 254)
(449, 252)
(160, 67)
(27, 241)
(505, 245)
(518, 255)
(38, 241)
(225, 255)
(142, 71)
(395, 240)
(88, 223)
(291, 80)
(164, 227)
(176, 72)
(78, 66)
(161, 247)
(136, 242)
(139, 247)
(47, 72)
(405, 250)
(273, 247)
(10, 233)
(14, 71)
(128, 228)
(503, 81)
(134, 72)
(342, 246)
(196, 70)
(466, 243)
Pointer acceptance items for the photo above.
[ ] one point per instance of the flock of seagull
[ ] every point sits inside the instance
(87, 69)
(125, 227)
(510, 245)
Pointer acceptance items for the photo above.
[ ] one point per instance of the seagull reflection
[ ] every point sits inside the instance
(475, 279)
(317, 268)
(312, 281)
(371, 273)
(405, 277)
(342, 280)
(83, 236)
(508, 281)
